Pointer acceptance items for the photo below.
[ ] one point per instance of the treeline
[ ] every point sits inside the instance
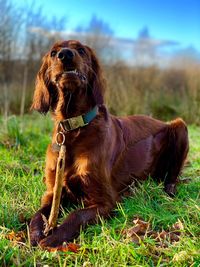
(26, 34)
(22, 45)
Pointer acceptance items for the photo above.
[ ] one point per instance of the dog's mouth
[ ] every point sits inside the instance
(69, 77)
(75, 73)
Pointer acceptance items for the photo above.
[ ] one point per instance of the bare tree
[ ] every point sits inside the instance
(9, 26)
(98, 35)
(145, 48)
(25, 35)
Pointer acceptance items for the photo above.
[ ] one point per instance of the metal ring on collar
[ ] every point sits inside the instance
(63, 138)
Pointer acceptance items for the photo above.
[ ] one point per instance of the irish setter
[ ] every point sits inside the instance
(104, 153)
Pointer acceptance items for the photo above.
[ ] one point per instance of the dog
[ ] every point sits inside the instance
(104, 153)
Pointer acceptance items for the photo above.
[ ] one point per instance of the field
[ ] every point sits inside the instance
(23, 142)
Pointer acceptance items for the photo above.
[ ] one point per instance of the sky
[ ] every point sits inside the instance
(174, 20)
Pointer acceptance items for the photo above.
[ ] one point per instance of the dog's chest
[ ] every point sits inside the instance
(75, 176)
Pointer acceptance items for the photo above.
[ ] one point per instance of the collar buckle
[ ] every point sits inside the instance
(76, 122)
(72, 123)
(79, 121)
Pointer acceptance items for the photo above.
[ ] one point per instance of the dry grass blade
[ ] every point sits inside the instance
(16, 237)
(71, 247)
(141, 229)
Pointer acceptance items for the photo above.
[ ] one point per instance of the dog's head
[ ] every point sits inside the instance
(69, 67)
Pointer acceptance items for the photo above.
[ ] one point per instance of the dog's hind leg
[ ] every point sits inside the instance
(174, 148)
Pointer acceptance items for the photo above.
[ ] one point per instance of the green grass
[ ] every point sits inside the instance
(22, 153)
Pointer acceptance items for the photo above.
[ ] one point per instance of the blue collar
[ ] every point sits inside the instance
(79, 121)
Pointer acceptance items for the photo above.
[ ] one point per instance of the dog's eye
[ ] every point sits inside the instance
(53, 53)
(81, 50)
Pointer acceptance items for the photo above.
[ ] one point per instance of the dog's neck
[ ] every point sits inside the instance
(72, 104)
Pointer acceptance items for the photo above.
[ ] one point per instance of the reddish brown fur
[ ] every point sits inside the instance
(104, 157)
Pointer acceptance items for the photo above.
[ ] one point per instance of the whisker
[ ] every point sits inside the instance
(86, 90)
(69, 100)
(90, 68)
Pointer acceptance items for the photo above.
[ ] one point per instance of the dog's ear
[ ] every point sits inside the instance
(97, 83)
(41, 97)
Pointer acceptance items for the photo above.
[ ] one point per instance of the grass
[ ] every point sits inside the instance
(23, 142)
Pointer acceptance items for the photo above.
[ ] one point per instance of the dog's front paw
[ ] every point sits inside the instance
(36, 229)
(35, 237)
(51, 241)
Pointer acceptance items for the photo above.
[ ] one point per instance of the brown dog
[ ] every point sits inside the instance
(104, 153)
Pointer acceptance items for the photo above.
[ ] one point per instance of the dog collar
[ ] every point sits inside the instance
(79, 121)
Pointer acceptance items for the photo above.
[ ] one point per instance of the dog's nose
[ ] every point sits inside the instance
(65, 55)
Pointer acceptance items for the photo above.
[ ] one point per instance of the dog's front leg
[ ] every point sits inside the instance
(36, 227)
(37, 223)
(72, 225)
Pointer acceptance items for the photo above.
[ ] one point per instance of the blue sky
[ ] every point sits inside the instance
(176, 20)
